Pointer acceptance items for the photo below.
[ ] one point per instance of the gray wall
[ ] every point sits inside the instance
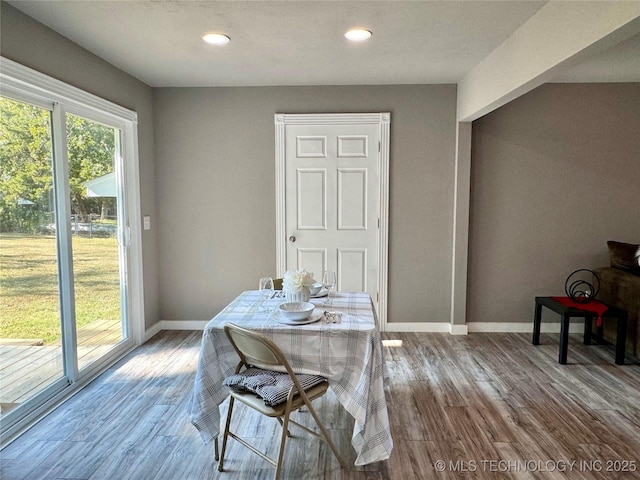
(555, 174)
(216, 191)
(30, 43)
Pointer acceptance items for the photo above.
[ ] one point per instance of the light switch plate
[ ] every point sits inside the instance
(146, 221)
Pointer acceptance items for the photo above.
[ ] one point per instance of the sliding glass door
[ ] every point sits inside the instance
(93, 151)
(31, 357)
(64, 246)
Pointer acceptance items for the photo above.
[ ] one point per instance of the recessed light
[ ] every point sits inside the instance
(358, 34)
(216, 38)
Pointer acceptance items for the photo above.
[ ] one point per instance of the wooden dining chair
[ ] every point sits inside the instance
(263, 390)
(277, 283)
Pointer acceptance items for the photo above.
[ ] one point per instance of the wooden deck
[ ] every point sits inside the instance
(25, 368)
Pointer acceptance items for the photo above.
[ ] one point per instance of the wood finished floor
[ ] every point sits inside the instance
(494, 403)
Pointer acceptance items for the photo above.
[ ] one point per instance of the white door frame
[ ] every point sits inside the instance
(383, 121)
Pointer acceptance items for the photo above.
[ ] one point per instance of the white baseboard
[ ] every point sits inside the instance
(150, 332)
(480, 327)
(521, 327)
(443, 327)
(183, 324)
(459, 329)
(175, 325)
(431, 327)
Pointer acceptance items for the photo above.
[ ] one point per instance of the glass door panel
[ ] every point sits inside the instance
(93, 154)
(30, 328)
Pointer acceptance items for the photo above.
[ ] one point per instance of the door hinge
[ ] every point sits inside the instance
(378, 146)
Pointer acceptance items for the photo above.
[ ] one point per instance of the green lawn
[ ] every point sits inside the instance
(29, 305)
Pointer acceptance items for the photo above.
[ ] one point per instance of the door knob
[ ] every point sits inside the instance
(292, 239)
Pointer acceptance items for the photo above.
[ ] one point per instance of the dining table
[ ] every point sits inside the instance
(345, 348)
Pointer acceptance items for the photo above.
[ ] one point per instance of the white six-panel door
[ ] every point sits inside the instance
(332, 202)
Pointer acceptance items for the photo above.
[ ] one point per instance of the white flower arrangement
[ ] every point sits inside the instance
(295, 280)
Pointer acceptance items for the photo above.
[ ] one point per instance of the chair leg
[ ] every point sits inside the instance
(281, 424)
(285, 431)
(326, 436)
(226, 435)
(216, 453)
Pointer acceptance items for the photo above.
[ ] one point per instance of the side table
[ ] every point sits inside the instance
(566, 313)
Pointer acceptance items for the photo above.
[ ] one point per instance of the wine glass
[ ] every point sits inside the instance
(266, 288)
(329, 282)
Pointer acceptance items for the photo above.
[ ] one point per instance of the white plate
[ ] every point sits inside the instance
(315, 316)
(322, 293)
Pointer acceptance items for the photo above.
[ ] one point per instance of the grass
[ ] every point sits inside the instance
(29, 306)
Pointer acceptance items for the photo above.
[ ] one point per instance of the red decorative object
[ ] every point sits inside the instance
(594, 306)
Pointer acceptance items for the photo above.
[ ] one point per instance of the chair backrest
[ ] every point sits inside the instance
(277, 283)
(254, 348)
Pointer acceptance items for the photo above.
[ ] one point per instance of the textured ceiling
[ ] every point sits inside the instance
(299, 42)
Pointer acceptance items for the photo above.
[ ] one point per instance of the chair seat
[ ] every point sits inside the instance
(271, 385)
(254, 401)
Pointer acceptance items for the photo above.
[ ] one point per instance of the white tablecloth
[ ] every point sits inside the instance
(349, 354)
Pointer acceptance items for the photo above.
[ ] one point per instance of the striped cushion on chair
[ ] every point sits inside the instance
(272, 387)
